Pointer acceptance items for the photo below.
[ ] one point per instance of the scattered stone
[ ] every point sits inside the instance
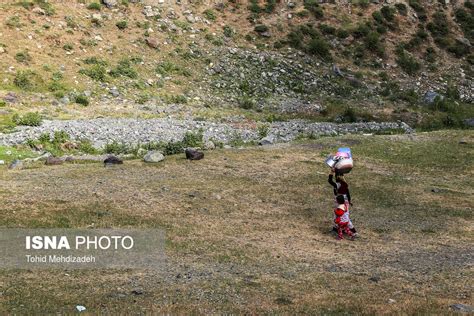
(463, 142)
(152, 42)
(374, 278)
(97, 16)
(109, 3)
(137, 292)
(193, 154)
(391, 301)
(153, 156)
(114, 92)
(268, 140)
(65, 100)
(435, 190)
(209, 145)
(10, 97)
(2, 50)
(469, 122)
(112, 160)
(53, 161)
(2, 162)
(16, 164)
(462, 308)
(38, 11)
(430, 97)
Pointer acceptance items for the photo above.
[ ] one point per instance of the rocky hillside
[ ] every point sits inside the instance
(258, 60)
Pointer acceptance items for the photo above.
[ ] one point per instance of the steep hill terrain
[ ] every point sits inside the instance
(257, 60)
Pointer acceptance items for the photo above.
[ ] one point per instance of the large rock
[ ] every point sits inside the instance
(53, 161)
(430, 97)
(112, 160)
(152, 42)
(153, 156)
(268, 140)
(109, 3)
(469, 122)
(193, 154)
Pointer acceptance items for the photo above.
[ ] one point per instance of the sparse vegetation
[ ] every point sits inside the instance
(81, 99)
(94, 6)
(122, 24)
(29, 119)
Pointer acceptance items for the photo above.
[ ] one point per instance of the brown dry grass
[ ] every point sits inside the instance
(248, 231)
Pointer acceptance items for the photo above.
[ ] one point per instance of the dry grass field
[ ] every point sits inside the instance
(248, 230)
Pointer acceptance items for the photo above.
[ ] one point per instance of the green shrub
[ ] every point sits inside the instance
(295, 39)
(95, 61)
(210, 15)
(314, 7)
(254, 7)
(94, 6)
(361, 30)
(191, 139)
(46, 6)
(13, 22)
(439, 26)
(124, 68)
(327, 29)
(246, 103)
(95, 72)
(372, 42)
(377, 16)
(29, 119)
(116, 148)
(68, 47)
(388, 13)
(121, 24)
(430, 55)
(465, 20)
(23, 57)
(419, 9)
(319, 47)
(459, 49)
(27, 80)
(342, 33)
(270, 5)
(261, 28)
(86, 147)
(349, 115)
(81, 99)
(228, 31)
(402, 8)
(173, 148)
(407, 62)
(362, 3)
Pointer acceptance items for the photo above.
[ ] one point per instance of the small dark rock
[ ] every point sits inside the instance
(374, 278)
(435, 190)
(53, 161)
(137, 292)
(193, 154)
(112, 160)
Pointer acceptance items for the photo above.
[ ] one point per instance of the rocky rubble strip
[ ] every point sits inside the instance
(140, 131)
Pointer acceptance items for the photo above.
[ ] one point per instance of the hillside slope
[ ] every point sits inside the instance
(267, 60)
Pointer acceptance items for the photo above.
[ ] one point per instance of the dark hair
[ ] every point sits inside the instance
(340, 199)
